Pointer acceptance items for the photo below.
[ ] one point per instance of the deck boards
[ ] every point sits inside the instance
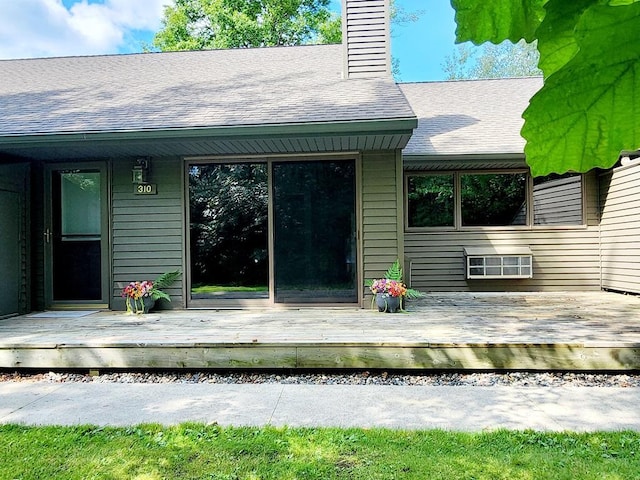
(537, 331)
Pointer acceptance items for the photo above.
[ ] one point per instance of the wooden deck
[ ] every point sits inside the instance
(538, 331)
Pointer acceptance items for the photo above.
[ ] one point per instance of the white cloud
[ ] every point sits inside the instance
(44, 28)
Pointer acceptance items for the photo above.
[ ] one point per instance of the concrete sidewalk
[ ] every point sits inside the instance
(461, 408)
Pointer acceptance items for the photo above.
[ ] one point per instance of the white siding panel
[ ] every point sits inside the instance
(366, 38)
(620, 229)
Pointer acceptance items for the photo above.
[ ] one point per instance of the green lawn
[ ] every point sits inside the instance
(196, 451)
(222, 288)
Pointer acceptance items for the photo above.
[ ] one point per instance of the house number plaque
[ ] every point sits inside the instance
(145, 189)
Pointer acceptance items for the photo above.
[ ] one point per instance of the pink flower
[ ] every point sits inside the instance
(390, 287)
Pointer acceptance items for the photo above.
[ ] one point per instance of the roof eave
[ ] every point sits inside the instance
(392, 126)
(481, 161)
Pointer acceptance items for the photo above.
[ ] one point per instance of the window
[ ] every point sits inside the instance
(463, 199)
(557, 200)
(495, 199)
(431, 201)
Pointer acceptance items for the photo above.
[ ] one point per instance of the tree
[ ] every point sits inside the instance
(200, 24)
(493, 61)
(586, 113)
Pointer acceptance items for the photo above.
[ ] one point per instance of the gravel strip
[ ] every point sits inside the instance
(520, 379)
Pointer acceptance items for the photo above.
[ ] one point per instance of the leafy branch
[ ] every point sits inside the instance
(584, 115)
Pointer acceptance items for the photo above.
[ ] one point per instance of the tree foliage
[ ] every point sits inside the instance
(213, 24)
(585, 114)
(493, 61)
(200, 24)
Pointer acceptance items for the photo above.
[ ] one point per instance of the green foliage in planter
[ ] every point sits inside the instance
(394, 272)
(163, 281)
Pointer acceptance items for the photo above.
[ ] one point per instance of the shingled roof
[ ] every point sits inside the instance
(472, 117)
(182, 90)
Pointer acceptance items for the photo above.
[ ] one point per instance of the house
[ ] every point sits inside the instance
(290, 175)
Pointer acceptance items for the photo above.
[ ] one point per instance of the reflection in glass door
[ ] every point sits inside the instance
(228, 213)
(314, 232)
(75, 235)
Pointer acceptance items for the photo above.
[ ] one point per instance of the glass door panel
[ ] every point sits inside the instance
(314, 232)
(77, 235)
(228, 212)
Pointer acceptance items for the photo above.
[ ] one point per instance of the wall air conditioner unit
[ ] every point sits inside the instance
(495, 263)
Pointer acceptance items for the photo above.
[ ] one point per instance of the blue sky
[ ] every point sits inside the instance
(423, 46)
(43, 28)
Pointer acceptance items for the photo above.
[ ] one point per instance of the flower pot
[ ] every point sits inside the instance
(140, 305)
(387, 303)
(147, 304)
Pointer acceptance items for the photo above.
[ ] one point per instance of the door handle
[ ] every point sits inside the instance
(47, 236)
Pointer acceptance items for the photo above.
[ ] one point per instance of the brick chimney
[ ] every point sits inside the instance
(365, 38)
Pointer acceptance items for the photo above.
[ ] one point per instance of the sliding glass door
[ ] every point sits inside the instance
(280, 231)
(314, 232)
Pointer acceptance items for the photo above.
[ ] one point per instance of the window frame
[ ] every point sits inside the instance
(457, 203)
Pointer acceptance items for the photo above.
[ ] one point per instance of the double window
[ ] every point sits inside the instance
(498, 199)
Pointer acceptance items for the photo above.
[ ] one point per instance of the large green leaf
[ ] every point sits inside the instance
(497, 20)
(556, 35)
(587, 111)
(617, 3)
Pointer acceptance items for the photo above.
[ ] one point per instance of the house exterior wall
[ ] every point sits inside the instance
(620, 228)
(382, 207)
(564, 258)
(147, 230)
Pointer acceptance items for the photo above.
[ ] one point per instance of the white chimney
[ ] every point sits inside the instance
(365, 38)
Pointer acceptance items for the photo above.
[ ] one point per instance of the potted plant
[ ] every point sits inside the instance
(390, 291)
(388, 294)
(140, 297)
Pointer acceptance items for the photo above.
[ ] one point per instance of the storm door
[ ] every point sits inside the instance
(76, 237)
(314, 232)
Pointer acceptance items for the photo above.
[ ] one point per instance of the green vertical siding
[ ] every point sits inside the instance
(147, 230)
(15, 262)
(381, 212)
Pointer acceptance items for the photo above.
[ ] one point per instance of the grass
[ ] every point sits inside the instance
(195, 451)
(223, 288)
